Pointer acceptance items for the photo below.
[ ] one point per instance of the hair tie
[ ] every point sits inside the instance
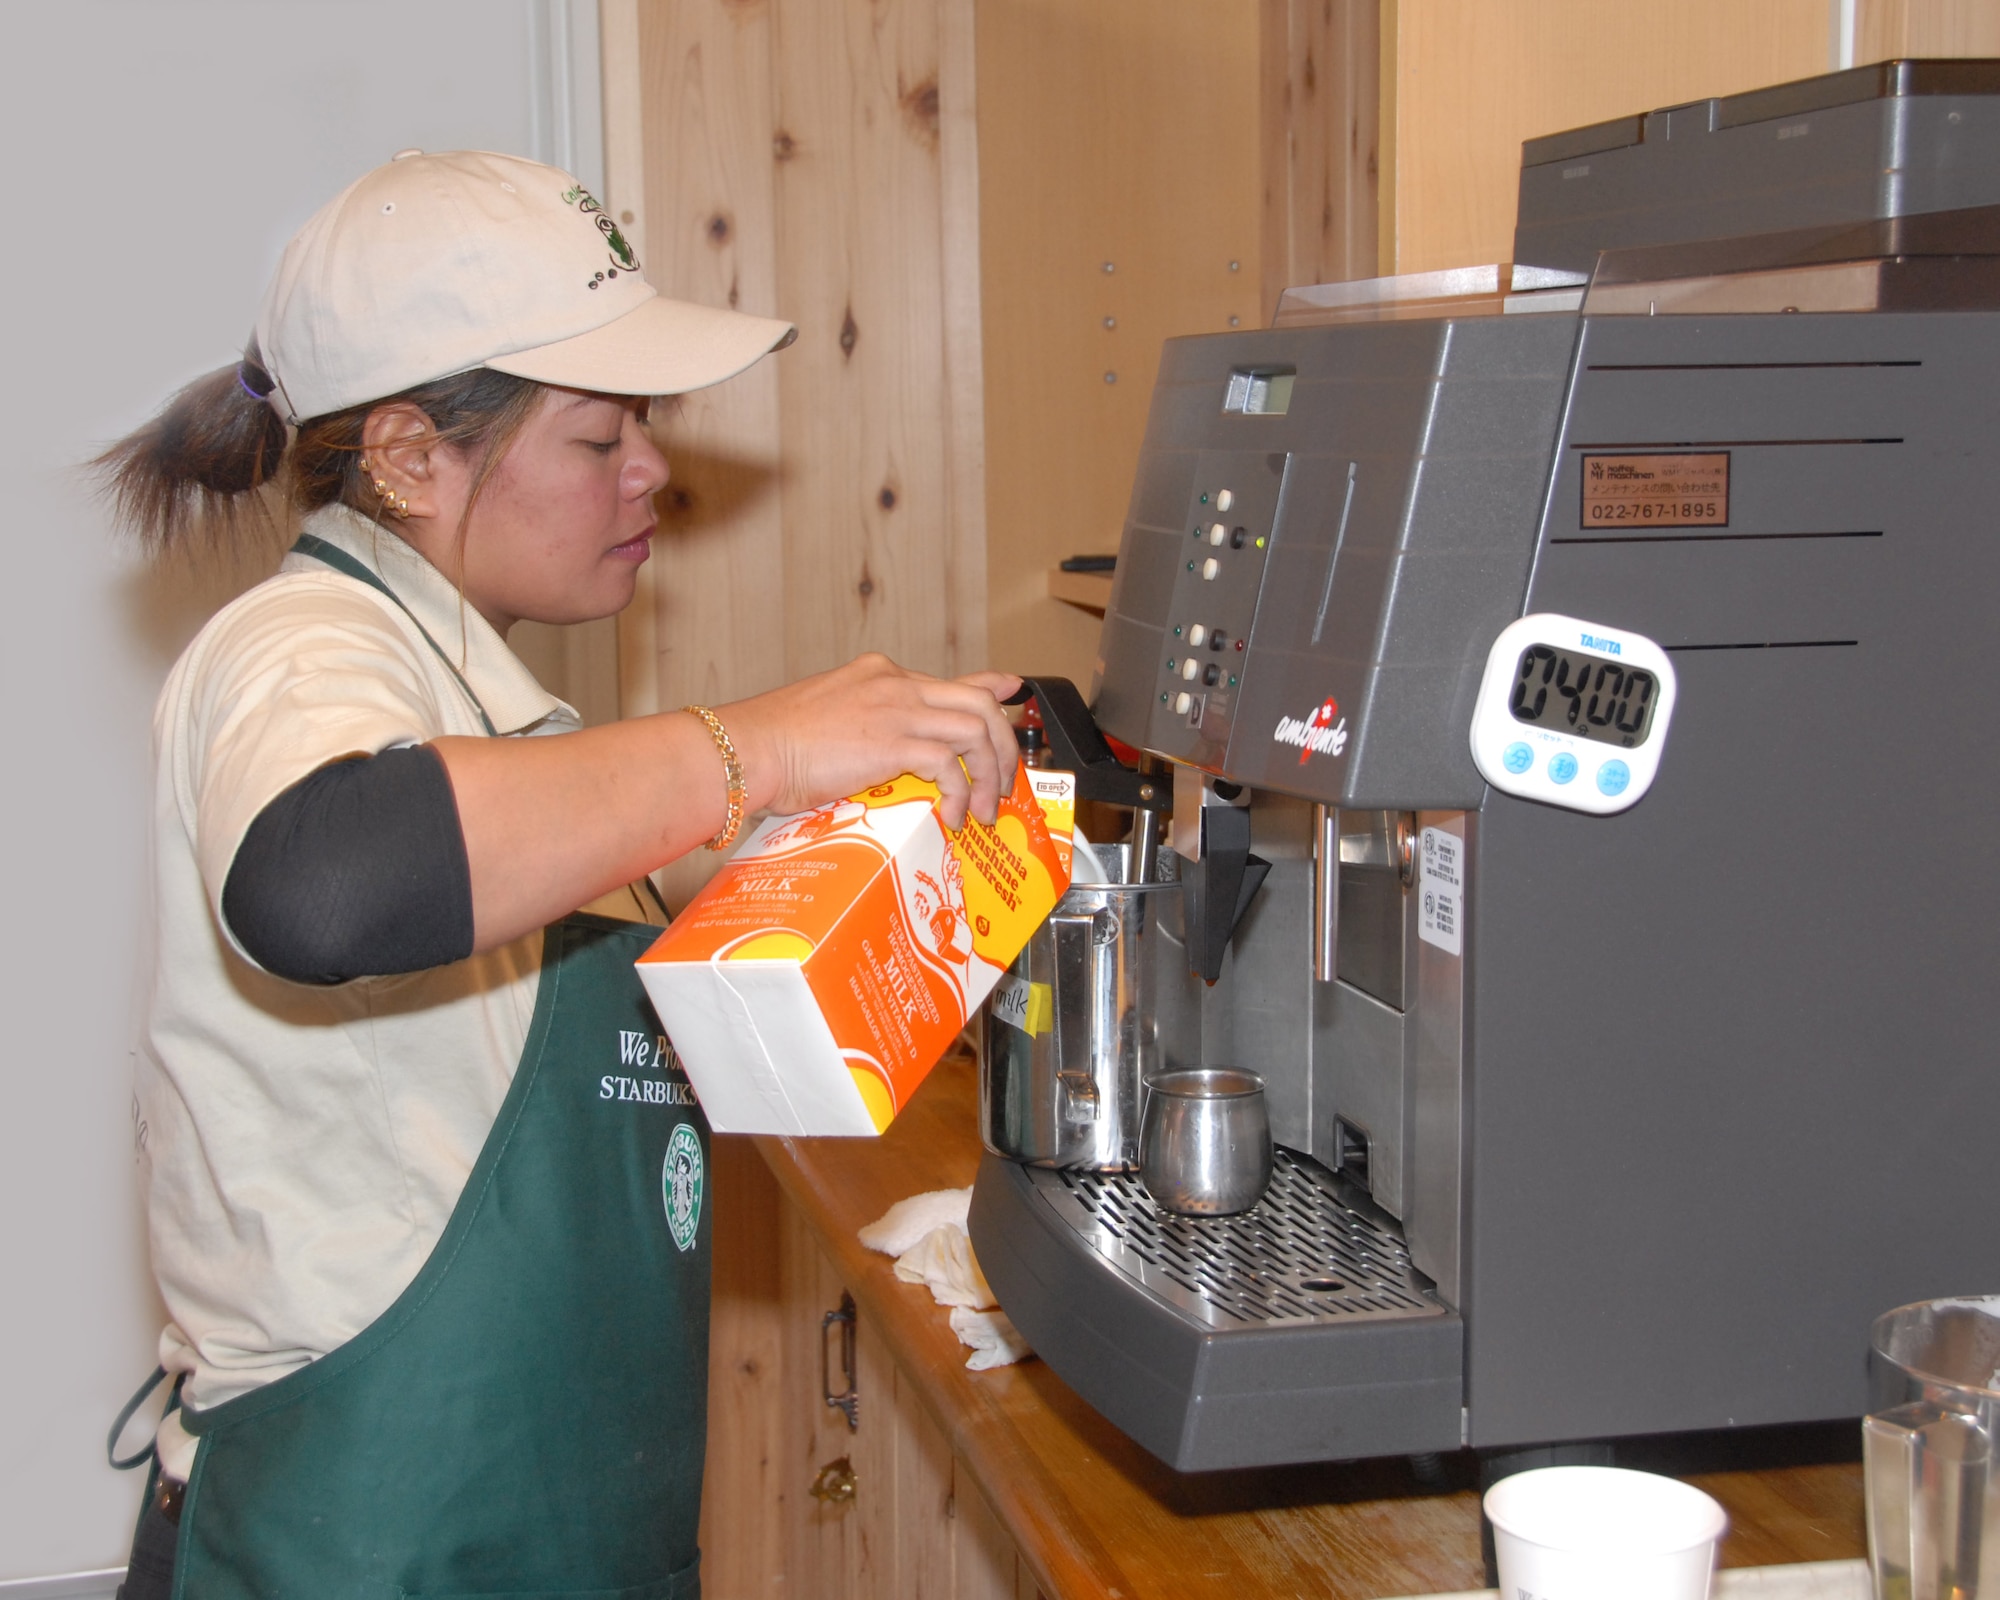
(243, 382)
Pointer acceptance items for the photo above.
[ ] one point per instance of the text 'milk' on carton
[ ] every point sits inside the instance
(818, 977)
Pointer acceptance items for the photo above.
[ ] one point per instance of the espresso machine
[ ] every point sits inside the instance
(1515, 646)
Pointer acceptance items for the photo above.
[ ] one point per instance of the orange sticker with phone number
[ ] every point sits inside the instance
(1624, 493)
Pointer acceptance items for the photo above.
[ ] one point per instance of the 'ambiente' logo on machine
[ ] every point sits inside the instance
(1324, 732)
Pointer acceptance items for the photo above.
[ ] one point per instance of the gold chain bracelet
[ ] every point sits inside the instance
(732, 770)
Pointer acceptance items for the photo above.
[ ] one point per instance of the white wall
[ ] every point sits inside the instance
(159, 153)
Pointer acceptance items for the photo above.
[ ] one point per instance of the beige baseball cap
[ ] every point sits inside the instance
(436, 264)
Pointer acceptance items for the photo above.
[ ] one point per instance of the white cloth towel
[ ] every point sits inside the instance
(926, 1234)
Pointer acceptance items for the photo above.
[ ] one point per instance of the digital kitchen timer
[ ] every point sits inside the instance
(1572, 713)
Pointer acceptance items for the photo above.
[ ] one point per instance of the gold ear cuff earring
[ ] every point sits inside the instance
(390, 501)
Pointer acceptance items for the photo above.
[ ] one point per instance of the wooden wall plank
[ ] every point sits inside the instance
(965, 642)
(1473, 78)
(1122, 131)
(718, 571)
(1884, 29)
(1321, 129)
(861, 272)
(624, 89)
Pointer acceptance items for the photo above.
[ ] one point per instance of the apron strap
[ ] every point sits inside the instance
(139, 1458)
(311, 544)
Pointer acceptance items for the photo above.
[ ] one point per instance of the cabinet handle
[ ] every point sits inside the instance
(835, 1483)
(848, 1401)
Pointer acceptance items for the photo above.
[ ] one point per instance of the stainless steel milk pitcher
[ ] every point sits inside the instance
(1079, 1022)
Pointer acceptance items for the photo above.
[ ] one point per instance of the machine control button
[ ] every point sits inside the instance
(1517, 757)
(1217, 534)
(1211, 675)
(1612, 777)
(1238, 537)
(1196, 634)
(1224, 500)
(1210, 568)
(1562, 767)
(1191, 666)
(1217, 640)
(1182, 701)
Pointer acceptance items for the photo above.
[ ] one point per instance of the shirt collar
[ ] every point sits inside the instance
(504, 686)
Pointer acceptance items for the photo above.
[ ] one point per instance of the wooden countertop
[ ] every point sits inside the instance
(1094, 1515)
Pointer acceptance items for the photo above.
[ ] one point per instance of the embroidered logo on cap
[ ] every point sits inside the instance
(623, 257)
(680, 1185)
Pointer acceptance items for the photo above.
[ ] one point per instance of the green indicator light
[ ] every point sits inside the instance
(1163, 699)
(1170, 663)
(1260, 544)
(1232, 680)
(1190, 566)
(1177, 633)
(1204, 499)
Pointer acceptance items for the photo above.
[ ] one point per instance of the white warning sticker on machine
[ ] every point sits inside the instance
(1441, 890)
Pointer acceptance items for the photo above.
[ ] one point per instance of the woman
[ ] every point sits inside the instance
(439, 1311)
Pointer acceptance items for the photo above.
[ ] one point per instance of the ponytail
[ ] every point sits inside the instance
(198, 462)
(196, 466)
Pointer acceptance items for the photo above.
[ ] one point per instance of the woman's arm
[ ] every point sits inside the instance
(550, 824)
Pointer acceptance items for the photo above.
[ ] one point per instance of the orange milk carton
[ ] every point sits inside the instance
(818, 977)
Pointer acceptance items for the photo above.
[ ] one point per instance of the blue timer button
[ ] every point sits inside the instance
(1517, 758)
(1562, 767)
(1612, 777)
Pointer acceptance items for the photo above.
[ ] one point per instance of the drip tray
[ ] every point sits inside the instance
(1298, 1331)
(1303, 1253)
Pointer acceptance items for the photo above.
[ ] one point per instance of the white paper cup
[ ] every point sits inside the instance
(1602, 1533)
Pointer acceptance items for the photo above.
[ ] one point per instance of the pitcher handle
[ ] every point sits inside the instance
(1926, 1471)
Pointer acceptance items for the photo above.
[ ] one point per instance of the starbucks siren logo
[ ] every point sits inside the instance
(623, 257)
(680, 1185)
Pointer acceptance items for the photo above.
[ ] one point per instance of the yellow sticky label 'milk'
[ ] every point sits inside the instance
(818, 977)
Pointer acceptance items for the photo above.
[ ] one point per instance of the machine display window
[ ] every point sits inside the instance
(1584, 695)
(1260, 391)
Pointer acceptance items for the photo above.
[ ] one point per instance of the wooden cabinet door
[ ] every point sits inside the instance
(915, 1525)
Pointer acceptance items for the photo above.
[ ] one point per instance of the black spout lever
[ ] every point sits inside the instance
(1076, 746)
(1218, 889)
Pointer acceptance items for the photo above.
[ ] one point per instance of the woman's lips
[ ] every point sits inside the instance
(634, 550)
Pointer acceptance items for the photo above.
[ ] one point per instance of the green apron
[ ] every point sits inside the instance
(528, 1418)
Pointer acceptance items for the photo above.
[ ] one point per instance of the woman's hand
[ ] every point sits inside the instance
(870, 721)
(550, 824)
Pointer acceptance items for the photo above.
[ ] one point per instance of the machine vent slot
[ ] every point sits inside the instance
(1769, 644)
(1301, 1254)
(1719, 537)
(1738, 366)
(1721, 444)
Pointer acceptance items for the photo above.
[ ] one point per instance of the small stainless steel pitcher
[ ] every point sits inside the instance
(1080, 1021)
(1928, 1444)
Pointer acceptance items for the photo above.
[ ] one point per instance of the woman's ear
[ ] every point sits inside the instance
(399, 449)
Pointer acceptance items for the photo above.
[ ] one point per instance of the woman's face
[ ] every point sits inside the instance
(565, 519)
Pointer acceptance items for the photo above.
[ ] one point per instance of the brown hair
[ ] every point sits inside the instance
(197, 464)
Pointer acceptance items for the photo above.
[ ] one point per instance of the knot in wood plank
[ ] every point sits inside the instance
(920, 108)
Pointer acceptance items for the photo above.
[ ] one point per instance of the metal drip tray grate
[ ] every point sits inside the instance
(1301, 1254)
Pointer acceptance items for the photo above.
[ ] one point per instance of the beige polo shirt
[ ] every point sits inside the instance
(305, 1145)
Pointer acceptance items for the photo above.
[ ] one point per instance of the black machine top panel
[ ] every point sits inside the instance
(1889, 140)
